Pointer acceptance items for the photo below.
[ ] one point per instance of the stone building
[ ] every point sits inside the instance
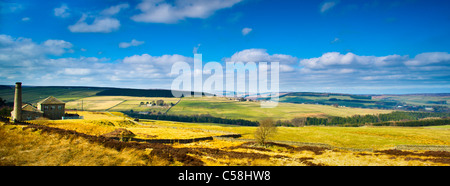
(53, 108)
(29, 112)
(50, 107)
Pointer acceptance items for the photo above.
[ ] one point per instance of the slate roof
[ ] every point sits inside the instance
(51, 101)
(30, 108)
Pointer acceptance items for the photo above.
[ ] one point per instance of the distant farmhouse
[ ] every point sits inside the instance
(50, 107)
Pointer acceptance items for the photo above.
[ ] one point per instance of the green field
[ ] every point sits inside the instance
(223, 107)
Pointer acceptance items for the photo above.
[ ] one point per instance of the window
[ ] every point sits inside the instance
(59, 107)
(45, 107)
(52, 108)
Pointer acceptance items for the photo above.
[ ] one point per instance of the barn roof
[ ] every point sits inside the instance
(50, 100)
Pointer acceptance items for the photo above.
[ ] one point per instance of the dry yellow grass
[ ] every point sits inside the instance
(26, 148)
(98, 123)
(281, 156)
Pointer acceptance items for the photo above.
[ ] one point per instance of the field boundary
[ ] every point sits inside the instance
(115, 105)
(182, 141)
(423, 147)
(173, 105)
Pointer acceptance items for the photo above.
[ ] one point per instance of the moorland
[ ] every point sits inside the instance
(83, 141)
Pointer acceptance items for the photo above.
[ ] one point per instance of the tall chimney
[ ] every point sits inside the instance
(17, 113)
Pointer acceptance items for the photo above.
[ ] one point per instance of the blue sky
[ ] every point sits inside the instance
(370, 46)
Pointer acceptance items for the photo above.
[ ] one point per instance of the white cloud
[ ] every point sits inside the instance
(429, 58)
(260, 55)
(113, 10)
(336, 59)
(17, 51)
(164, 60)
(133, 42)
(25, 19)
(30, 62)
(100, 24)
(327, 6)
(76, 71)
(286, 68)
(57, 47)
(35, 63)
(351, 69)
(158, 11)
(61, 11)
(246, 31)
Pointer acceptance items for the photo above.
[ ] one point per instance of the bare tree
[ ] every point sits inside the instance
(298, 122)
(266, 129)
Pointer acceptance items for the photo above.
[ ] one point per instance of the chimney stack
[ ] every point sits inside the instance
(17, 113)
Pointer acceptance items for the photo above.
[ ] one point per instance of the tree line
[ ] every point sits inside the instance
(359, 120)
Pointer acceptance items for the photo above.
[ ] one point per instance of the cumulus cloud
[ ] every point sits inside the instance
(429, 58)
(38, 64)
(159, 11)
(350, 70)
(133, 42)
(13, 49)
(336, 59)
(261, 55)
(43, 63)
(61, 11)
(287, 63)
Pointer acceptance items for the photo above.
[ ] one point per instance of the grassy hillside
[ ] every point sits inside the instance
(419, 99)
(409, 102)
(36, 94)
(223, 107)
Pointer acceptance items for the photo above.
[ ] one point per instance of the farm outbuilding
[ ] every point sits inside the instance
(29, 112)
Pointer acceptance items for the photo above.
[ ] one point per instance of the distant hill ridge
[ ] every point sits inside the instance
(32, 93)
(142, 92)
